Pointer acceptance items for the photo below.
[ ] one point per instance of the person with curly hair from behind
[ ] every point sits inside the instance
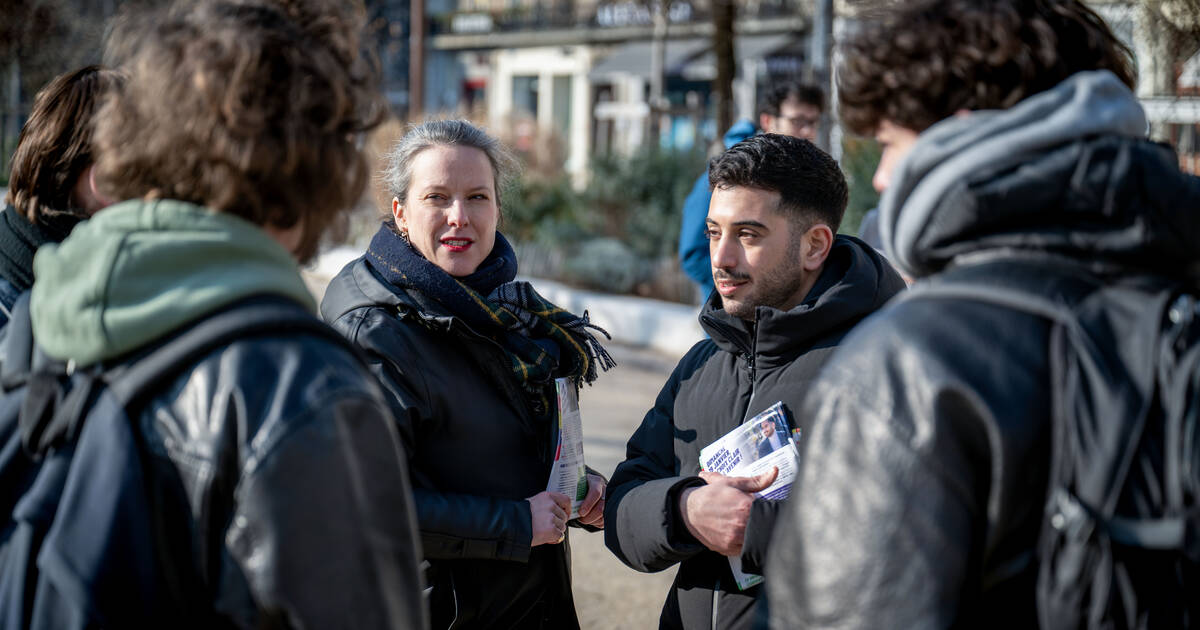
(1014, 159)
(274, 465)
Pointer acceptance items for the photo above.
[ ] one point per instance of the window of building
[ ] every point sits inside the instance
(562, 109)
(525, 95)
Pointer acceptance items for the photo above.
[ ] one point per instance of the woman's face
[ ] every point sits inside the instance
(451, 210)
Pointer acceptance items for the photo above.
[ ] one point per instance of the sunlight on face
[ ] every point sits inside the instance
(894, 143)
(451, 210)
(756, 260)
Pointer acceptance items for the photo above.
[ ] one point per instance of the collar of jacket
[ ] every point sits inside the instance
(1112, 203)
(1067, 171)
(359, 285)
(140, 269)
(855, 282)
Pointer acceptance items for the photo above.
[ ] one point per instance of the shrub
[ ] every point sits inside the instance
(639, 199)
(860, 157)
(605, 264)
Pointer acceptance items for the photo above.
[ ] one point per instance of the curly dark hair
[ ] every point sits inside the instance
(922, 62)
(55, 145)
(806, 93)
(811, 187)
(250, 108)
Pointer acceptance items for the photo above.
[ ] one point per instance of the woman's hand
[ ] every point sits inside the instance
(591, 512)
(549, 511)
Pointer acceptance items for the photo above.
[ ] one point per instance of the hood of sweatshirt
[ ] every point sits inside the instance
(740, 130)
(1066, 172)
(141, 269)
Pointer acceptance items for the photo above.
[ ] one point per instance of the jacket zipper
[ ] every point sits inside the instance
(747, 353)
(716, 603)
(750, 369)
(750, 402)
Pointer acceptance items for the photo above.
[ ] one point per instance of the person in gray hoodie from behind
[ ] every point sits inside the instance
(1015, 159)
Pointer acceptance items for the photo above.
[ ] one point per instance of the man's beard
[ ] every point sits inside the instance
(774, 287)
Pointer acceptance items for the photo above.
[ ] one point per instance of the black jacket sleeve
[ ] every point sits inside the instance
(641, 522)
(340, 472)
(452, 525)
(759, 527)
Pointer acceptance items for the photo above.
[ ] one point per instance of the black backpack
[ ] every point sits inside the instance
(1120, 539)
(84, 541)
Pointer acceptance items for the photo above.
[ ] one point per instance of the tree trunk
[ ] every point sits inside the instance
(723, 13)
(821, 56)
(416, 63)
(1158, 45)
(658, 71)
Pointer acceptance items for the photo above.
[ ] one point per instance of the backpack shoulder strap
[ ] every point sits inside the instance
(1004, 296)
(1047, 286)
(52, 413)
(262, 315)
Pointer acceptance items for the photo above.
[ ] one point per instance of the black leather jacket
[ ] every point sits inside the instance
(476, 449)
(290, 487)
(723, 381)
(924, 474)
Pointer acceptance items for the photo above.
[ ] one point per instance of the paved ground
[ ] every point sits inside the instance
(608, 594)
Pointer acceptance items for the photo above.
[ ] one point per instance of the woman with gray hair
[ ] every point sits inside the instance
(469, 358)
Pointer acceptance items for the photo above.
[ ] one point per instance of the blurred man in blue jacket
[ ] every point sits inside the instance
(790, 108)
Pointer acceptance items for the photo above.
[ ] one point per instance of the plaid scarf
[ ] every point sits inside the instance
(542, 341)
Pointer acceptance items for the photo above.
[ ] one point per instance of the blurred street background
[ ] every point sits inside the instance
(613, 107)
(608, 594)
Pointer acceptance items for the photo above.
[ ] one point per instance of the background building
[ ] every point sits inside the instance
(580, 72)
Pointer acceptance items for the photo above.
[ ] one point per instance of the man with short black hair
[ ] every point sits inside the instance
(1014, 162)
(789, 108)
(788, 289)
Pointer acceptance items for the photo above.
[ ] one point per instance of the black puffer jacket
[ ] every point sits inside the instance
(742, 370)
(290, 488)
(477, 450)
(923, 479)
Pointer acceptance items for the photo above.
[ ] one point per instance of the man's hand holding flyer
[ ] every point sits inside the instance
(762, 442)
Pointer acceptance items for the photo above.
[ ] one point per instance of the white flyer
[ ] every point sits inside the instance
(752, 449)
(569, 474)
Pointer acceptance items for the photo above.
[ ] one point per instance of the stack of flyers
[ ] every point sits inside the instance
(569, 474)
(762, 442)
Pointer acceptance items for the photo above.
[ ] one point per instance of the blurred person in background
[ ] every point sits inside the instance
(790, 108)
(274, 460)
(469, 356)
(50, 186)
(788, 290)
(1014, 158)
